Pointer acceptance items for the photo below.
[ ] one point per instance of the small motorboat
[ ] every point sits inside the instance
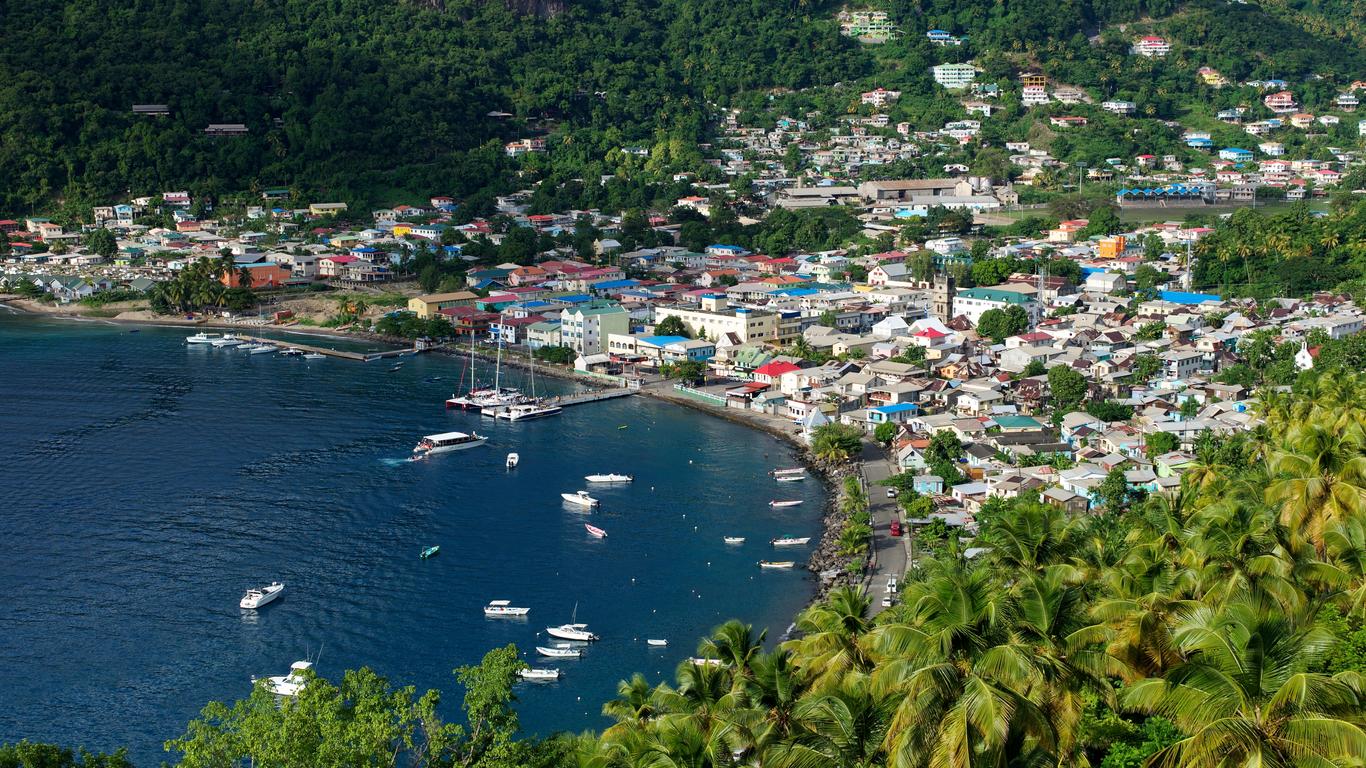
(735, 539)
(656, 643)
(292, 352)
(593, 530)
(776, 563)
(539, 675)
(701, 662)
(581, 498)
(290, 684)
(576, 632)
(512, 460)
(227, 341)
(255, 598)
(609, 478)
(396, 369)
(790, 478)
(500, 608)
(789, 541)
(789, 471)
(559, 652)
(315, 356)
(430, 552)
(202, 338)
(262, 349)
(790, 503)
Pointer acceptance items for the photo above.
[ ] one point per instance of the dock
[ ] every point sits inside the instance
(361, 357)
(589, 397)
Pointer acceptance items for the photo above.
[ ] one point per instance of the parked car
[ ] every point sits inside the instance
(896, 527)
(891, 493)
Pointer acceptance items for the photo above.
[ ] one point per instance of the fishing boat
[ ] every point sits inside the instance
(593, 530)
(735, 539)
(789, 541)
(528, 411)
(580, 498)
(314, 356)
(656, 643)
(539, 675)
(501, 608)
(255, 598)
(789, 471)
(559, 652)
(513, 458)
(609, 478)
(776, 563)
(791, 503)
(790, 478)
(430, 552)
(290, 684)
(202, 338)
(447, 441)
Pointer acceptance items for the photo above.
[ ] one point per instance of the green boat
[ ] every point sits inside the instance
(430, 552)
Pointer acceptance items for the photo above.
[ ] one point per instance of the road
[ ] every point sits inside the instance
(891, 553)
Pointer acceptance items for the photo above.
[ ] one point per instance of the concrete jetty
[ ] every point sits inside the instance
(362, 357)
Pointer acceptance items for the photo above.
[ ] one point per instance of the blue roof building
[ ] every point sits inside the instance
(896, 413)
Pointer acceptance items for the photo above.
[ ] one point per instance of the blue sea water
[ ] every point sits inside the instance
(146, 484)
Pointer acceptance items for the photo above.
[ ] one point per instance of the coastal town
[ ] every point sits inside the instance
(1081, 368)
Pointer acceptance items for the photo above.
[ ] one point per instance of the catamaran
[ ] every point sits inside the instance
(789, 541)
(447, 441)
(492, 398)
(791, 503)
(608, 478)
(559, 652)
(580, 498)
(593, 530)
(539, 675)
(504, 608)
(290, 684)
(526, 411)
(255, 598)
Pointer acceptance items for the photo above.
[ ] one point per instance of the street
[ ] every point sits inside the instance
(891, 552)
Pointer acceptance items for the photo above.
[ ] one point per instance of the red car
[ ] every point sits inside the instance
(896, 527)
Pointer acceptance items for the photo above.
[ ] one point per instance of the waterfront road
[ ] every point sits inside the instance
(891, 552)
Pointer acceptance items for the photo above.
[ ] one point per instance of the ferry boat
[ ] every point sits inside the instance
(576, 632)
(290, 684)
(527, 411)
(789, 541)
(500, 608)
(608, 478)
(791, 503)
(580, 498)
(776, 563)
(255, 598)
(539, 675)
(447, 441)
(593, 530)
(559, 652)
(203, 338)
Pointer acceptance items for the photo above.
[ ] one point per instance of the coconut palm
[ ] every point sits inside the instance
(1246, 698)
(841, 729)
(634, 705)
(772, 695)
(1319, 479)
(829, 647)
(735, 644)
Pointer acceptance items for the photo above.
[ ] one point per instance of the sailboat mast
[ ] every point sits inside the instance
(498, 366)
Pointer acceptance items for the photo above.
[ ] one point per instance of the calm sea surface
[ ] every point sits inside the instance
(146, 484)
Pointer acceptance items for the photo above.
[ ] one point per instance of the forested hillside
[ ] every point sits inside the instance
(368, 99)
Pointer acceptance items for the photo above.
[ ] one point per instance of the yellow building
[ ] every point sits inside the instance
(427, 306)
(1110, 247)
(325, 209)
(714, 319)
(400, 230)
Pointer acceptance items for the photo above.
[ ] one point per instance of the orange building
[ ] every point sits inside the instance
(1110, 247)
(264, 275)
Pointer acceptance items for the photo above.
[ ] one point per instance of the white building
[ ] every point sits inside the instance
(1152, 46)
(954, 76)
(585, 329)
(1034, 95)
(972, 302)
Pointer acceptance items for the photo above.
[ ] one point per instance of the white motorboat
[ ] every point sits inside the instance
(577, 632)
(512, 461)
(789, 541)
(255, 598)
(581, 498)
(540, 675)
(792, 503)
(228, 340)
(735, 539)
(447, 441)
(559, 652)
(290, 684)
(656, 643)
(292, 352)
(790, 478)
(263, 349)
(789, 471)
(608, 478)
(527, 411)
(315, 356)
(500, 608)
(705, 662)
(776, 563)
(202, 338)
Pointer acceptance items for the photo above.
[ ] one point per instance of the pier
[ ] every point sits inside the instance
(360, 357)
(589, 397)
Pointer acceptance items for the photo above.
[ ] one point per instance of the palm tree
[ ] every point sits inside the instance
(1246, 697)
(842, 729)
(772, 695)
(244, 277)
(736, 646)
(634, 705)
(1320, 478)
(830, 645)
